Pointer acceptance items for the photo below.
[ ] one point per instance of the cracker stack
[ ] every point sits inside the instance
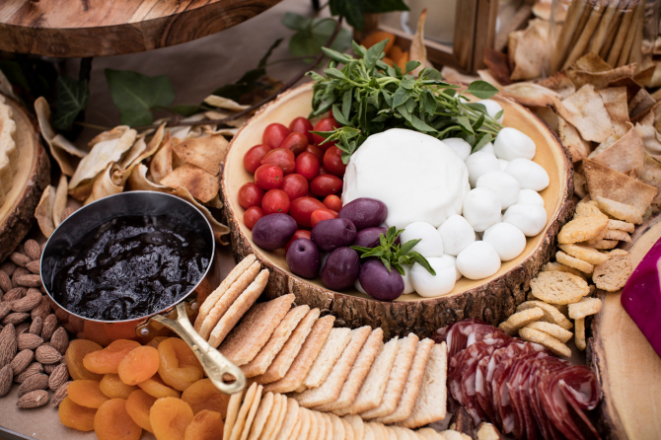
(8, 149)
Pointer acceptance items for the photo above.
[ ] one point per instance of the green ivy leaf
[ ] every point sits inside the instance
(71, 99)
(482, 89)
(135, 95)
(350, 10)
(309, 40)
(296, 22)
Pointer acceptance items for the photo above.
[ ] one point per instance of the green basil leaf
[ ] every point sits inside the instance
(465, 124)
(337, 56)
(358, 49)
(498, 115)
(422, 261)
(339, 117)
(406, 247)
(420, 125)
(407, 84)
(71, 99)
(431, 73)
(400, 97)
(485, 139)
(334, 73)
(482, 89)
(135, 95)
(374, 54)
(429, 102)
(478, 123)
(346, 104)
(411, 65)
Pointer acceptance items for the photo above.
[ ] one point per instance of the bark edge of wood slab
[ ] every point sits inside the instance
(492, 299)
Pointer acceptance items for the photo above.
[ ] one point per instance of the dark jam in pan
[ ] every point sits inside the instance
(130, 267)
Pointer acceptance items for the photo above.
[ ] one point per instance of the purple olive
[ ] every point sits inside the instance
(303, 258)
(365, 212)
(379, 283)
(369, 237)
(334, 233)
(273, 231)
(341, 269)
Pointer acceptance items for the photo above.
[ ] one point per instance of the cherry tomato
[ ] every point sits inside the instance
(274, 134)
(322, 214)
(250, 195)
(282, 158)
(316, 151)
(301, 233)
(254, 156)
(326, 124)
(268, 177)
(302, 208)
(275, 201)
(251, 216)
(333, 202)
(325, 185)
(296, 142)
(333, 161)
(302, 125)
(322, 171)
(295, 186)
(307, 165)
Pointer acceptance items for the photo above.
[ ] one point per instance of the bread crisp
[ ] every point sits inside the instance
(579, 334)
(620, 211)
(330, 353)
(560, 288)
(548, 341)
(582, 228)
(576, 263)
(551, 314)
(520, 319)
(585, 253)
(613, 274)
(554, 330)
(585, 307)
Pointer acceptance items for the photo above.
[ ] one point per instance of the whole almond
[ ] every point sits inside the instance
(33, 399)
(50, 324)
(8, 345)
(32, 383)
(48, 369)
(5, 281)
(28, 302)
(19, 272)
(42, 310)
(28, 280)
(21, 361)
(47, 355)
(60, 340)
(28, 341)
(5, 308)
(21, 328)
(31, 370)
(8, 267)
(36, 326)
(14, 294)
(19, 259)
(6, 376)
(32, 249)
(34, 266)
(15, 318)
(60, 394)
(58, 377)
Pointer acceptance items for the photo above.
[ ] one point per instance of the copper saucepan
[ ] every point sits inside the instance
(226, 376)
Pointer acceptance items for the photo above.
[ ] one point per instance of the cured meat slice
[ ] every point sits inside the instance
(464, 333)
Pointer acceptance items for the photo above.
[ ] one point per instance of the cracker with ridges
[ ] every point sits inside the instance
(338, 427)
(279, 405)
(261, 416)
(253, 332)
(296, 431)
(253, 395)
(585, 307)
(560, 288)
(290, 421)
(357, 425)
(329, 355)
(582, 229)
(403, 433)
(553, 265)
(587, 208)
(379, 430)
(233, 407)
(430, 434)
(305, 417)
(551, 314)
(520, 319)
(348, 430)
(576, 263)
(605, 245)
(280, 420)
(321, 425)
(613, 274)
(369, 433)
(584, 253)
(561, 334)
(548, 341)
(613, 234)
(619, 225)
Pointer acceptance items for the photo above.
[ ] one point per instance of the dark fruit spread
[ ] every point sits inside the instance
(130, 267)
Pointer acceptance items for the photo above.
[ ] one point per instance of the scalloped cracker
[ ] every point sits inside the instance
(551, 314)
(584, 253)
(582, 228)
(555, 287)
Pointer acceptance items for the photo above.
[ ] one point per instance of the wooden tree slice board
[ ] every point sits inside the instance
(491, 299)
(91, 28)
(32, 177)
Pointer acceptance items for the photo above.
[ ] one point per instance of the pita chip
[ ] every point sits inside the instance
(651, 175)
(531, 51)
(650, 137)
(559, 83)
(104, 186)
(530, 94)
(641, 103)
(228, 104)
(161, 162)
(44, 211)
(599, 79)
(623, 155)
(60, 202)
(585, 110)
(577, 148)
(203, 152)
(615, 102)
(202, 185)
(219, 229)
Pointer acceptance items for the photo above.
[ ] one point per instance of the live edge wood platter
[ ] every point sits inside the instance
(492, 299)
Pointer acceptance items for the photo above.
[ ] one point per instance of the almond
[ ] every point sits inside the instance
(28, 341)
(60, 340)
(32, 383)
(14, 294)
(27, 303)
(48, 369)
(28, 280)
(19, 259)
(36, 326)
(21, 328)
(58, 377)
(33, 399)
(8, 267)
(32, 249)
(8, 345)
(5, 308)
(60, 394)
(47, 355)
(5, 281)
(31, 370)
(6, 376)
(21, 361)
(20, 271)
(15, 318)
(50, 324)
(34, 266)
(42, 310)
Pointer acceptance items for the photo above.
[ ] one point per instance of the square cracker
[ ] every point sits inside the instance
(262, 415)
(305, 358)
(244, 342)
(289, 351)
(253, 397)
(265, 357)
(329, 355)
(330, 390)
(237, 309)
(291, 419)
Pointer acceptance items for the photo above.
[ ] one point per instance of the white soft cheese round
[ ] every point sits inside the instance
(531, 219)
(479, 260)
(529, 197)
(418, 177)
(503, 184)
(430, 244)
(408, 285)
(511, 144)
(506, 239)
(459, 146)
(502, 163)
(359, 287)
(493, 108)
(428, 285)
(456, 234)
(480, 163)
(530, 175)
(488, 148)
(482, 208)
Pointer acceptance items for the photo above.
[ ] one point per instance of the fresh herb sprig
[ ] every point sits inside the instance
(368, 96)
(394, 255)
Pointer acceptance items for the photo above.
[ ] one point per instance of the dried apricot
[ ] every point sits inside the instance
(86, 393)
(206, 425)
(112, 386)
(157, 340)
(112, 422)
(76, 416)
(138, 365)
(78, 349)
(107, 360)
(154, 386)
(178, 367)
(138, 405)
(169, 417)
(204, 395)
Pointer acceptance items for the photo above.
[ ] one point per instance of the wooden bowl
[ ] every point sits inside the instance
(491, 299)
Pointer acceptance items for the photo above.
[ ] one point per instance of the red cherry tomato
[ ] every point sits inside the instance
(325, 185)
(322, 171)
(333, 202)
(307, 165)
(282, 158)
(251, 216)
(295, 186)
(326, 124)
(275, 201)
(268, 177)
(301, 233)
(250, 195)
(333, 161)
(322, 214)
(296, 142)
(302, 125)
(254, 156)
(316, 151)
(274, 134)
(302, 208)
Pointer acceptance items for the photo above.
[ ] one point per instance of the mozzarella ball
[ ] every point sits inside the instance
(493, 108)
(506, 239)
(429, 285)
(408, 285)
(503, 184)
(359, 287)
(529, 197)
(456, 233)
(454, 263)
(531, 219)
(529, 174)
(459, 146)
(488, 148)
(482, 208)
(480, 163)
(430, 244)
(479, 260)
(502, 164)
(512, 144)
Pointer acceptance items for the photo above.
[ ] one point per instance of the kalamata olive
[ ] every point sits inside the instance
(341, 269)
(303, 258)
(365, 212)
(378, 282)
(273, 231)
(333, 233)
(369, 237)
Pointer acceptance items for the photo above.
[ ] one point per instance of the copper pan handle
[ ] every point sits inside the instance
(215, 364)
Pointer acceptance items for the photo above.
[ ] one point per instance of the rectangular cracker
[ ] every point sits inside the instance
(305, 358)
(397, 378)
(413, 383)
(359, 371)
(330, 390)
(237, 309)
(253, 332)
(287, 354)
(265, 357)
(330, 353)
(430, 406)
